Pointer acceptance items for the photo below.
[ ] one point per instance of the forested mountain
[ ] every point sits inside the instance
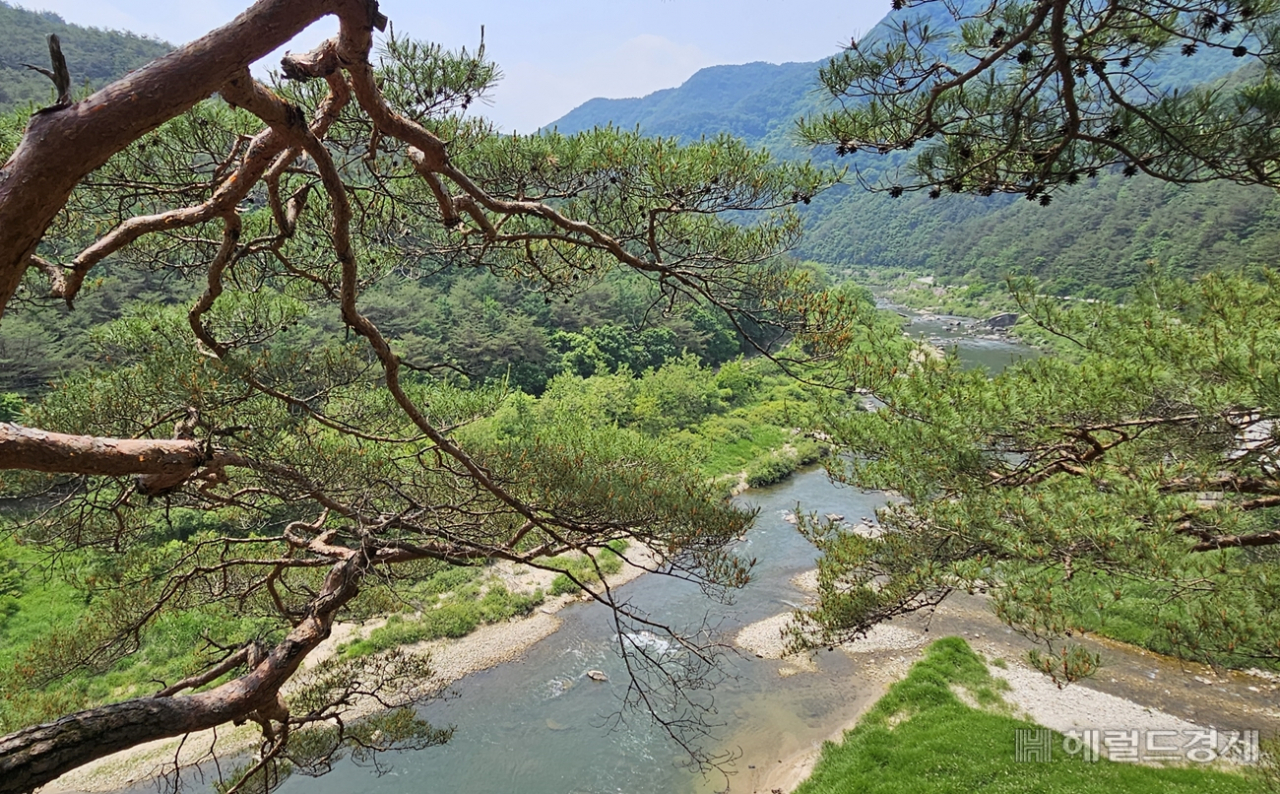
(94, 56)
(755, 101)
(1095, 238)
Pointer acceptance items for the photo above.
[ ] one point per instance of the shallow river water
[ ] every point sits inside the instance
(536, 726)
(539, 725)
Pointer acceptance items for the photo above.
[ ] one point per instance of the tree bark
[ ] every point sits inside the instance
(62, 145)
(31, 449)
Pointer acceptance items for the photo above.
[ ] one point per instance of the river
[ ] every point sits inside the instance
(538, 725)
(534, 726)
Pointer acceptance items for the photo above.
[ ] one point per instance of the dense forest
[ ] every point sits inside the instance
(484, 328)
(1095, 240)
(488, 330)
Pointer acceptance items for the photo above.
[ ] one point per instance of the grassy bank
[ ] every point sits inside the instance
(451, 604)
(923, 738)
(45, 604)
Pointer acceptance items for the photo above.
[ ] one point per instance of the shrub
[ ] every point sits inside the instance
(454, 617)
(11, 405)
(501, 604)
(563, 585)
(769, 470)
(809, 452)
(607, 560)
(451, 619)
(450, 579)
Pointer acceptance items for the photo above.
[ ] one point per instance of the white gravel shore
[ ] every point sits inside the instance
(890, 651)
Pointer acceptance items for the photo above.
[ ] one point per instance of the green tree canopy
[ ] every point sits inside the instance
(1132, 478)
(318, 465)
(1022, 96)
(1127, 483)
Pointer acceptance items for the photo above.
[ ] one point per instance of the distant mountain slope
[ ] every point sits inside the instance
(758, 102)
(747, 101)
(1093, 238)
(94, 56)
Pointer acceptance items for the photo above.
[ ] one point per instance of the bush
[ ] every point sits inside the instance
(769, 470)
(501, 604)
(455, 617)
(451, 619)
(607, 560)
(781, 413)
(727, 429)
(563, 585)
(809, 452)
(739, 380)
(680, 394)
(450, 579)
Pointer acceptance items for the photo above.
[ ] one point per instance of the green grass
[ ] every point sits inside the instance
(40, 607)
(1149, 614)
(456, 615)
(731, 450)
(34, 601)
(582, 568)
(31, 599)
(920, 738)
(1130, 619)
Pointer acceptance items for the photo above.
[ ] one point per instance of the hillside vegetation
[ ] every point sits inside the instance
(94, 56)
(1096, 239)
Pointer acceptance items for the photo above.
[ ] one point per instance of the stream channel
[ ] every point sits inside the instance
(537, 725)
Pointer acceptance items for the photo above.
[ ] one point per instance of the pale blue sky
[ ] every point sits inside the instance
(555, 54)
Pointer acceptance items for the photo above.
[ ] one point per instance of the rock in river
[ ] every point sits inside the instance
(1005, 320)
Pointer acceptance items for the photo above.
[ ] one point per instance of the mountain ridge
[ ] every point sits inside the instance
(1096, 238)
(745, 100)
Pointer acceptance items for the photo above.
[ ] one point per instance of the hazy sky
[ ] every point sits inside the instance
(555, 54)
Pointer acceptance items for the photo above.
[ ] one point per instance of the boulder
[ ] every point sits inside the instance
(1005, 320)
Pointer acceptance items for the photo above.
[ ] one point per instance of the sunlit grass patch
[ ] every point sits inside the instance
(920, 738)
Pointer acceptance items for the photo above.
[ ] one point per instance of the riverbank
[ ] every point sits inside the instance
(1135, 691)
(950, 726)
(451, 660)
(512, 718)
